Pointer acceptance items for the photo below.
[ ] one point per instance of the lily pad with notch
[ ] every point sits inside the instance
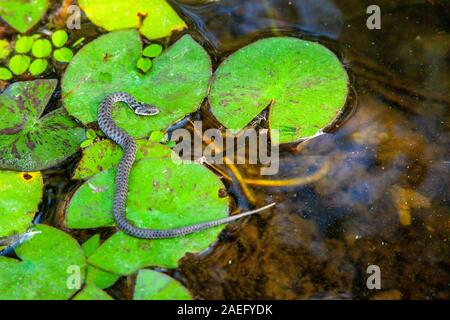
(42, 271)
(154, 18)
(94, 276)
(177, 83)
(162, 194)
(23, 15)
(302, 82)
(29, 139)
(20, 195)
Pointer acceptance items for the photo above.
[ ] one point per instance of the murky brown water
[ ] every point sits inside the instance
(380, 196)
(384, 199)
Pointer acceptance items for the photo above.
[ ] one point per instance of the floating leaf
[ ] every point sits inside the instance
(177, 83)
(154, 18)
(152, 51)
(41, 48)
(23, 15)
(5, 74)
(38, 66)
(19, 64)
(90, 134)
(162, 195)
(63, 55)
(144, 64)
(303, 82)
(24, 44)
(101, 279)
(86, 143)
(105, 154)
(59, 38)
(20, 195)
(91, 292)
(28, 140)
(46, 262)
(152, 285)
(5, 49)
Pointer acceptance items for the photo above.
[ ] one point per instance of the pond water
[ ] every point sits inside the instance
(379, 188)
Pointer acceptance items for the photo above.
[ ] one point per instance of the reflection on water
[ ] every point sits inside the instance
(383, 199)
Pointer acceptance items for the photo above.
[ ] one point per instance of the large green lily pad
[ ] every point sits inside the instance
(20, 195)
(154, 18)
(22, 15)
(162, 195)
(44, 268)
(94, 276)
(106, 154)
(177, 83)
(303, 82)
(28, 140)
(153, 285)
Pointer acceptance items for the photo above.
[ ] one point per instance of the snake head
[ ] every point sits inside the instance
(144, 109)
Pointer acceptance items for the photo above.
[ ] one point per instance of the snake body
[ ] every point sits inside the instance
(112, 130)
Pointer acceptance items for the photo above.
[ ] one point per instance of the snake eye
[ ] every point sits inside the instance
(146, 110)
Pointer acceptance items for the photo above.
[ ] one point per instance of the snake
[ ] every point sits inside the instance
(111, 129)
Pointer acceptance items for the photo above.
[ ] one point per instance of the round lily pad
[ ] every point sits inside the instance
(19, 63)
(106, 154)
(5, 74)
(47, 261)
(163, 194)
(20, 195)
(154, 18)
(63, 55)
(176, 84)
(5, 49)
(38, 66)
(41, 48)
(23, 15)
(144, 64)
(24, 44)
(303, 82)
(153, 50)
(28, 140)
(59, 38)
(153, 285)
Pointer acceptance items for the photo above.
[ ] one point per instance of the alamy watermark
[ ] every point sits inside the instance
(374, 20)
(74, 17)
(213, 146)
(374, 280)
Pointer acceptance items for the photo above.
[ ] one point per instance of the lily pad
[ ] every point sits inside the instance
(303, 82)
(38, 66)
(5, 49)
(176, 84)
(106, 154)
(152, 285)
(154, 18)
(5, 74)
(162, 195)
(19, 63)
(23, 15)
(101, 279)
(43, 270)
(91, 292)
(28, 140)
(20, 195)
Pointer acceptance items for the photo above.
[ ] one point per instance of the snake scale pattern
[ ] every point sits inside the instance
(112, 130)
